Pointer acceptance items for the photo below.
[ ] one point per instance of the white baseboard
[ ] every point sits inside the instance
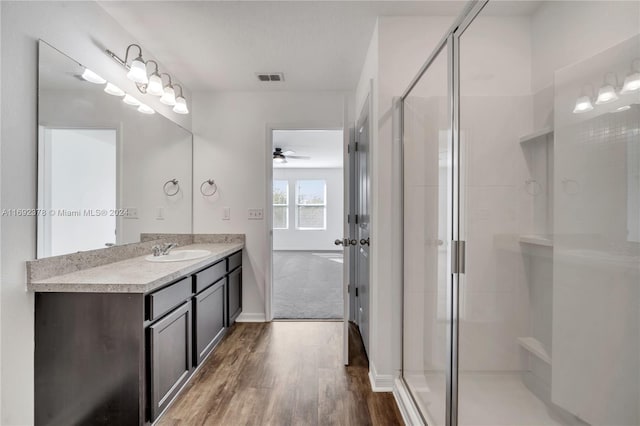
(250, 317)
(407, 408)
(380, 382)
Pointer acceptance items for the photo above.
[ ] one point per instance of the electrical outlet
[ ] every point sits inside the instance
(226, 213)
(131, 213)
(256, 214)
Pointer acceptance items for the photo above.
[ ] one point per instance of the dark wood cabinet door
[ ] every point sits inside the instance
(169, 357)
(209, 319)
(234, 296)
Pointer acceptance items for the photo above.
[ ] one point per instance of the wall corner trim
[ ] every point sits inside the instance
(251, 317)
(407, 408)
(380, 382)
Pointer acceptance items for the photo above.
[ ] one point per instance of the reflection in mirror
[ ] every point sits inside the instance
(103, 161)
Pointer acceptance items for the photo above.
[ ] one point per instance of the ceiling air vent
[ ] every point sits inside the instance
(266, 77)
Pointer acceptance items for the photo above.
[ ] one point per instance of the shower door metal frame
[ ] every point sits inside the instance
(450, 41)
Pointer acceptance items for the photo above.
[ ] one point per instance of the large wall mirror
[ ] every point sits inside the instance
(107, 172)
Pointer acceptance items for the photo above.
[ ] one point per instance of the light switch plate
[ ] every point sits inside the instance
(132, 213)
(160, 213)
(226, 213)
(256, 214)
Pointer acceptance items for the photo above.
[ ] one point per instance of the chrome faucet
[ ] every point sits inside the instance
(164, 249)
(167, 247)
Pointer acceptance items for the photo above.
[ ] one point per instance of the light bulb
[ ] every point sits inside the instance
(606, 94)
(114, 90)
(169, 96)
(181, 106)
(138, 71)
(146, 109)
(279, 160)
(92, 77)
(583, 104)
(130, 100)
(155, 85)
(631, 83)
(623, 108)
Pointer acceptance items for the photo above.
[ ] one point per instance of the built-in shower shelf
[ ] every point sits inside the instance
(534, 346)
(538, 240)
(539, 135)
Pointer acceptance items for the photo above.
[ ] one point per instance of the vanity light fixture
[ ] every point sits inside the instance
(169, 96)
(632, 81)
(607, 92)
(145, 109)
(149, 84)
(92, 77)
(114, 90)
(181, 103)
(583, 104)
(155, 82)
(130, 100)
(138, 68)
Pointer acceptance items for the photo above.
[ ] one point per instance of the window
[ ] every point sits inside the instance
(311, 206)
(280, 204)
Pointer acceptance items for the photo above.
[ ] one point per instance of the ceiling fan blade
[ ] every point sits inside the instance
(299, 157)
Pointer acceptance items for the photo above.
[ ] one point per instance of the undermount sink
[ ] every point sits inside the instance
(179, 255)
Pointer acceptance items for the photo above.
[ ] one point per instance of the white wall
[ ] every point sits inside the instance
(398, 48)
(232, 147)
(296, 239)
(82, 30)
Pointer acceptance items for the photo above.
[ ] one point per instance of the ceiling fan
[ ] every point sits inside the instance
(280, 156)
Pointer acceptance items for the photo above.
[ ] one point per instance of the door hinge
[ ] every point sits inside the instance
(458, 258)
(357, 219)
(356, 291)
(356, 146)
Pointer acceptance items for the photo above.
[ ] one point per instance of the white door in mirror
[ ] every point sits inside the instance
(179, 255)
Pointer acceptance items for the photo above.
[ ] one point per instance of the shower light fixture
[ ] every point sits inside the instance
(92, 77)
(130, 100)
(114, 90)
(181, 103)
(623, 108)
(583, 104)
(150, 84)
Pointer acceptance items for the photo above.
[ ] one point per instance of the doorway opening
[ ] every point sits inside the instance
(73, 222)
(307, 214)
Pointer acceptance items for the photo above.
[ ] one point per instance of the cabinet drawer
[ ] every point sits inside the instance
(234, 260)
(208, 276)
(209, 319)
(162, 301)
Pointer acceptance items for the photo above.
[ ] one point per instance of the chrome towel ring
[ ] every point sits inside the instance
(212, 184)
(167, 187)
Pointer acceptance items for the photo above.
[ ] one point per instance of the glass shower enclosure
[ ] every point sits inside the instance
(521, 168)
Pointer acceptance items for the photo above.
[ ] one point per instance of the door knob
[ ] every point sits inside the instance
(345, 242)
(364, 242)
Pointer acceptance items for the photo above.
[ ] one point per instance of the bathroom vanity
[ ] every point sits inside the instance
(116, 343)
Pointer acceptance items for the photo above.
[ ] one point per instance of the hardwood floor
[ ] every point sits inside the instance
(283, 373)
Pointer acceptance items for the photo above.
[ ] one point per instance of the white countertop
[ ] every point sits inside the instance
(135, 275)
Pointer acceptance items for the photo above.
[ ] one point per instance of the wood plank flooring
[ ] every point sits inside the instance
(283, 373)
